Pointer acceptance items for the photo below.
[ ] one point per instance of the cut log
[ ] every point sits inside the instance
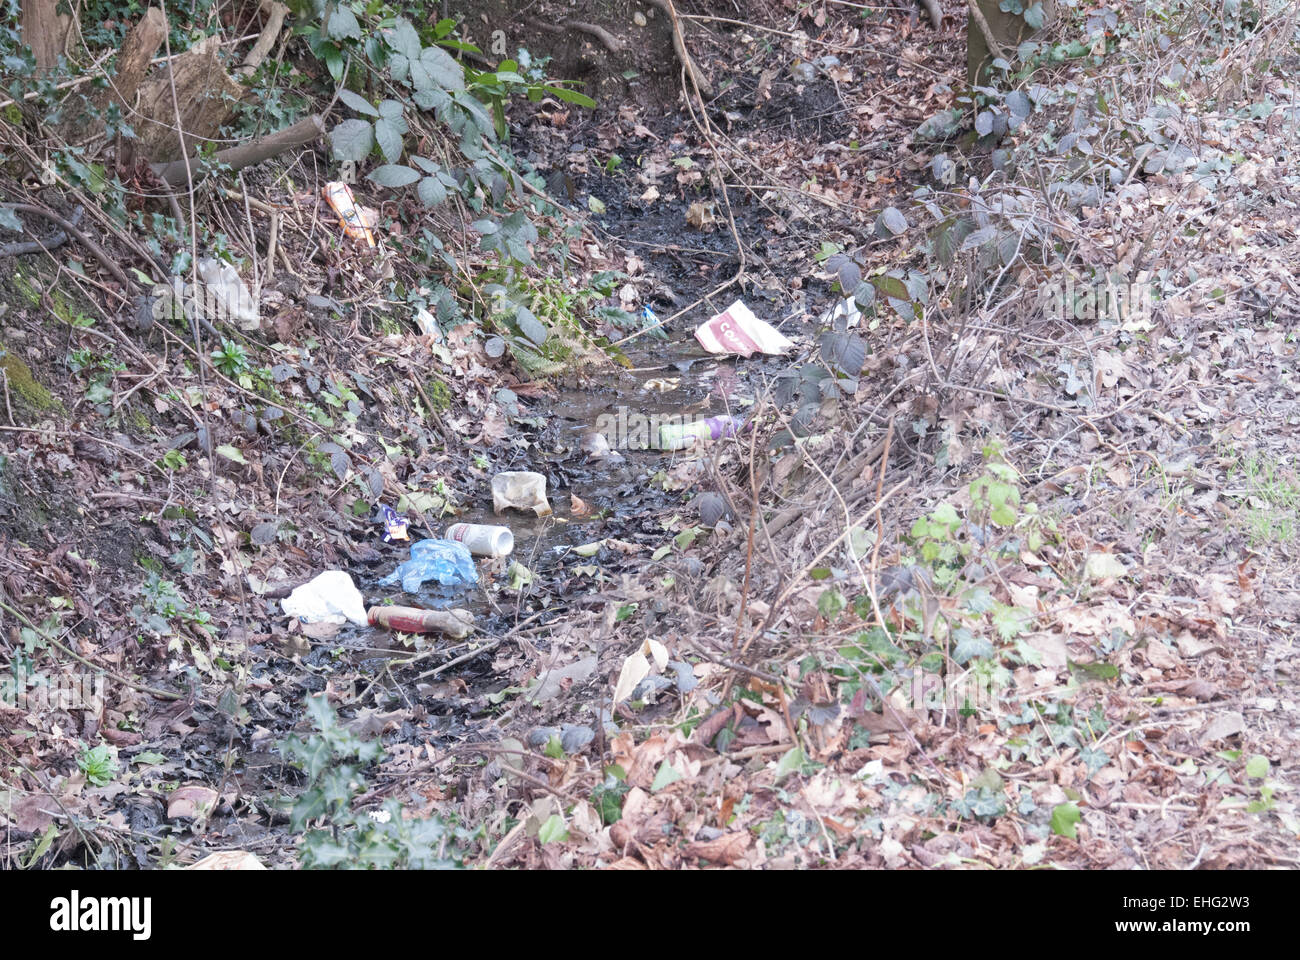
(275, 14)
(204, 93)
(247, 154)
(139, 47)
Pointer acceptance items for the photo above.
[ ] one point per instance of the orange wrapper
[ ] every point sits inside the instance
(340, 198)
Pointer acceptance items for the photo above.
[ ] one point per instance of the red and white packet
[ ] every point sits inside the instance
(737, 330)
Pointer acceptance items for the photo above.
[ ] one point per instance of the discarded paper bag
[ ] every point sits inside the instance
(737, 330)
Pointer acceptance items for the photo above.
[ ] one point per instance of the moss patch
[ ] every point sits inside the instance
(22, 384)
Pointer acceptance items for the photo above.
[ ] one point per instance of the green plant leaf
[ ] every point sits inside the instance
(436, 66)
(358, 103)
(389, 136)
(431, 190)
(790, 761)
(891, 287)
(394, 175)
(1065, 820)
(571, 96)
(232, 453)
(667, 774)
(531, 327)
(343, 25)
(352, 140)
(553, 830)
(1257, 766)
(404, 39)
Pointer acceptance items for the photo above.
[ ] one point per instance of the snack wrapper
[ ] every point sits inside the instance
(353, 223)
(394, 524)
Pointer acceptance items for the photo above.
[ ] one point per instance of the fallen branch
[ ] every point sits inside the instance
(60, 237)
(609, 41)
(247, 154)
(68, 226)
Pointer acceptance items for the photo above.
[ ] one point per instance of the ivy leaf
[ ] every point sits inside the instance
(553, 830)
(431, 191)
(390, 139)
(352, 140)
(343, 25)
(667, 774)
(394, 175)
(358, 103)
(1019, 106)
(1065, 820)
(1035, 17)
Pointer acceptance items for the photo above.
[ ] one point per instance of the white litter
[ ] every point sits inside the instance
(522, 490)
(226, 296)
(331, 597)
(848, 308)
(737, 330)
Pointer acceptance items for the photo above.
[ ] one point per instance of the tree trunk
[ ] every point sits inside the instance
(1008, 30)
(44, 30)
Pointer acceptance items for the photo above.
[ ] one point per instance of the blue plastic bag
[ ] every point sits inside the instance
(444, 561)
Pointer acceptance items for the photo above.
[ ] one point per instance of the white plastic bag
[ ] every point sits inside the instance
(330, 598)
(522, 490)
(226, 295)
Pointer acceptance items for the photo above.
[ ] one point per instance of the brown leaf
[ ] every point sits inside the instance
(191, 801)
(577, 506)
(727, 848)
(627, 863)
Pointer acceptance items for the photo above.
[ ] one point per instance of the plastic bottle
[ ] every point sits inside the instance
(678, 436)
(483, 540)
(445, 561)
(454, 623)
